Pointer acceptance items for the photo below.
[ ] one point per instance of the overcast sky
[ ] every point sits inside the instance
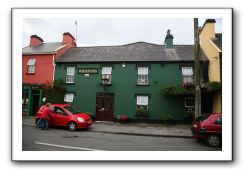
(104, 32)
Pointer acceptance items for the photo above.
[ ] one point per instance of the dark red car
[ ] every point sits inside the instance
(208, 127)
(67, 116)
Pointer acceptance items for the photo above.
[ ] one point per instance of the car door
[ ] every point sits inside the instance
(215, 125)
(60, 118)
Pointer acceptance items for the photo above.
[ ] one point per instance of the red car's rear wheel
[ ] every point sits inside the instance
(214, 140)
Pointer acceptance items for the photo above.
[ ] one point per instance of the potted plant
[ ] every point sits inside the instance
(123, 118)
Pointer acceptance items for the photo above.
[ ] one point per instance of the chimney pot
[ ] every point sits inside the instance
(168, 40)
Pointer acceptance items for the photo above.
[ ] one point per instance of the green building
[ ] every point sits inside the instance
(114, 80)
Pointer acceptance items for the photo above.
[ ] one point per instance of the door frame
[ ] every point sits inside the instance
(102, 114)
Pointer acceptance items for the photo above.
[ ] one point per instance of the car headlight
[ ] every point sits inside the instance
(81, 120)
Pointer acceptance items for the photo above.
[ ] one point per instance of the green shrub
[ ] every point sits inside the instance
(167, 118)
(55, 93)
(142, 112)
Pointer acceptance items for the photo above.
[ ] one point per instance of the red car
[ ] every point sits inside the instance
(208, 127)
(67, 116)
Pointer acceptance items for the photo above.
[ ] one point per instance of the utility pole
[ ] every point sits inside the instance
(76, 31)
(197, 70)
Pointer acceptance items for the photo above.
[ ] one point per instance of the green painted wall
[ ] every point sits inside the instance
(124, 80)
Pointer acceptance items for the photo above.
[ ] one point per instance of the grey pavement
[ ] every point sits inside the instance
(144, 129)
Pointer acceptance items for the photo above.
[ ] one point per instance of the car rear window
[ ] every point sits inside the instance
(202, 118)
(219, 120)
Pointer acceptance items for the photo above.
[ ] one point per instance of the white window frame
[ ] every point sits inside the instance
(69, 97)
(142, 75)
(106, 74)
(189, 108)
(187, 74)
(70, 74)
(142, 101)
(31, 66)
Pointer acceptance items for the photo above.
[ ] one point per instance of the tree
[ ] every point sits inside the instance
(55, 93)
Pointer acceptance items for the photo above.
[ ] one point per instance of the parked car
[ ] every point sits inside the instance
(208, 127)
(67, 116)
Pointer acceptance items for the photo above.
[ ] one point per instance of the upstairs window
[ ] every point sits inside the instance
(106, 75)
(187, 74)
(31, 66)
(142, 76)
(70, 75)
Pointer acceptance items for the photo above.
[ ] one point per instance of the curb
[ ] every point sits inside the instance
(123, 133)
(141, 134)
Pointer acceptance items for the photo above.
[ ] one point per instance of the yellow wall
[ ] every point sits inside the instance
(216, 102)
(212, 52)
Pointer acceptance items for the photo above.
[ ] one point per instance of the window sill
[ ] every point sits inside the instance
(142, 85)
(30, 73)
(105, 84)
(69, 83)
(142, 116)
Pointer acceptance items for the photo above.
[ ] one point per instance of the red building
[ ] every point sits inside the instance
(38, 68)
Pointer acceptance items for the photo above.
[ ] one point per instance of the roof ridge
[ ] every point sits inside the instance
(118, 45)
(132, 44)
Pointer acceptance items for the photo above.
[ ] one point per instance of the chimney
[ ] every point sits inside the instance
(168, 40)
(35, 40)
(209, 28)
(69, 39)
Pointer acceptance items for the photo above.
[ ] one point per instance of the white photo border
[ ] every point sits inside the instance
(18, 14)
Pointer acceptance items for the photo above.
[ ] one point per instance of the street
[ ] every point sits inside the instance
(60, 139)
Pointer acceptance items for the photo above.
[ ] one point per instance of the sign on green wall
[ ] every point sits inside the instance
(87, 70)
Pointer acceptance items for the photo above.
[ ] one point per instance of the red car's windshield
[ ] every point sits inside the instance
(72, 109)
(202, 118)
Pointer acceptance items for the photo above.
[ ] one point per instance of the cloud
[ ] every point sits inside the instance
(101, 32)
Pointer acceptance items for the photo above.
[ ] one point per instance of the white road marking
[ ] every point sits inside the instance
(69, 147)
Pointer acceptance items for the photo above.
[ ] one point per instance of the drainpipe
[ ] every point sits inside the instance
(53, 67)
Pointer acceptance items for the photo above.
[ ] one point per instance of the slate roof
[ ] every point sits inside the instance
(134, 52)
(44, 48)
(218, 40)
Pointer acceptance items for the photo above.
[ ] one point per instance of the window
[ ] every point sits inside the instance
(142, 102)
(25, 94)
(202, 117)
(106, 75)
(189, 105)
(31, 66)
(219, 120)
(60, 111)
(69, 97)
(142, 75)
(187, 74)
(70, 76)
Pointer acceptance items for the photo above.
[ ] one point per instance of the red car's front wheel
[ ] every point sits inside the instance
(72, 126)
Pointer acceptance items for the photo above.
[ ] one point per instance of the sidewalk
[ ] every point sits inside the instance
(143, 129)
